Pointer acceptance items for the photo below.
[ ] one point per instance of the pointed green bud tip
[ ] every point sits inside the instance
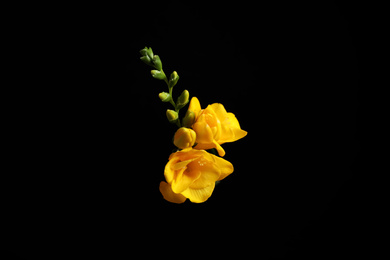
(182, 100)
(150, 53)
(144, 51)
(172, 116)
(157, 62)
(158, 74)
(147, 52)
(164, 96)
(173, 79)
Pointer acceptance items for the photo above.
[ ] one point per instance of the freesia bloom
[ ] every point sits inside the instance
(192, 174)
(213, 126)
(184, 138)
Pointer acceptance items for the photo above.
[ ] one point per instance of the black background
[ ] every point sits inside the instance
(94, 138)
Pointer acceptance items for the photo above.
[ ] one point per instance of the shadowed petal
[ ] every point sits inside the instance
(169, 195)
(199, 195)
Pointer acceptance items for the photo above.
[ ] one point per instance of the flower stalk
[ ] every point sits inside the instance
(158, 73)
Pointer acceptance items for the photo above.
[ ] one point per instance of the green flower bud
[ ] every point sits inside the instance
(182, 100)
(157, 62)
(158, 74)
(173, 79)
(144, 51)
(147, 60)
(189, 119)
(148, 53)
(172, 116)
(164, 96)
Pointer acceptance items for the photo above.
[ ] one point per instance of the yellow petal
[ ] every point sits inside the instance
(204, 146)
(184, 179)
(169, 195)
(203, 131)
(233, 120)
(219, 148)
(238, 132)
(194, 106)
(183, 164)
(169, 171)
(209, 173)
(219, 110)
(199, 195)
(212, 120)
(231, 130)
(225, 166)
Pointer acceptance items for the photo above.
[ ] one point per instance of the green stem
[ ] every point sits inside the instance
(165, 78)
(171, 100)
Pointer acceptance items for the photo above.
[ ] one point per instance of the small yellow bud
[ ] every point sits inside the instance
(184, 138)
(164, 96)
(173, 79)
(172, 116)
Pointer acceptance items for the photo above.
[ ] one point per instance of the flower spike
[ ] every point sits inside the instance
(195, 168)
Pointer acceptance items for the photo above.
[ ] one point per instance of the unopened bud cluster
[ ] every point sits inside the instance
(153, 60)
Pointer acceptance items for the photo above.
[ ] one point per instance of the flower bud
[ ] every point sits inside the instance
(144, 51)
(184, 138)
(150, 53)
(164, 96)
(147, 55)
(157, 62)
(172, 116)
(173, 79)
(147, 60)
(158, 74)
(147, 52)
(189, 119)
(182, 100)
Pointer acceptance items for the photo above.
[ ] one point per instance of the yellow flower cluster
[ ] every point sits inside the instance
(192, 172)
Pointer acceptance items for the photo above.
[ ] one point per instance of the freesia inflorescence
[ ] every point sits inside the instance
(193, 170)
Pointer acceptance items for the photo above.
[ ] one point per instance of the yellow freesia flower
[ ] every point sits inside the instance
(213, 126)
(192, 174)
(184, 138)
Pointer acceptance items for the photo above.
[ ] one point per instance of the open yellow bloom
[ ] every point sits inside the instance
(214, 126)
(192, 174)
